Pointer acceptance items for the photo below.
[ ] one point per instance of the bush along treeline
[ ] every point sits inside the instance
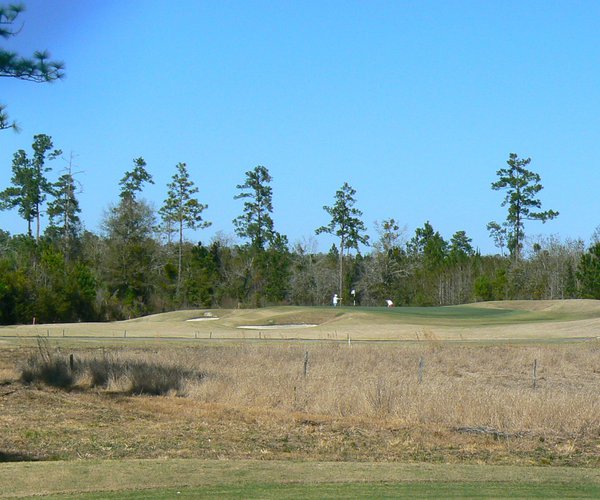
(141, 263)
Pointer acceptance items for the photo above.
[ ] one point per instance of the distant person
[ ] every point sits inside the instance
(389, 303)
(335, 300)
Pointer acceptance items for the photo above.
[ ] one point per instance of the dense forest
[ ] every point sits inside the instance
(140, 262)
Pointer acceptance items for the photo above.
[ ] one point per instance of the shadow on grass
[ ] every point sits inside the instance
(16, 457)
(52, 368)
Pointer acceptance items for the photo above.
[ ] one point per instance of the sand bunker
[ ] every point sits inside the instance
(276, 327)
(207, 316)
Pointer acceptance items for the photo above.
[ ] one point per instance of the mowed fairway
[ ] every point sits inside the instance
(421, 402)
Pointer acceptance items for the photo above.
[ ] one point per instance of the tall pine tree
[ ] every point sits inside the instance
(182, 210)
(30, 186)
(521, 187)
(346, 225)
(256, 223)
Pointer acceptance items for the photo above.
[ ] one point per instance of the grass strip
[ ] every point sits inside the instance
(281, 479)
(352, 491)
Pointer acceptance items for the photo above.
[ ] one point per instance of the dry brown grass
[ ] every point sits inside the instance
(365, 402)
(461, 386)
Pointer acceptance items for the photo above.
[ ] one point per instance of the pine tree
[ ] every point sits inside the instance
(181, 209)
(256, 223)
(37, 68)
(460, 246)
(133, 180)
(521, 186)
(63, 211)
(30, 186)
(346, 225)
(588, 272)
(266, 257)
(129, 262)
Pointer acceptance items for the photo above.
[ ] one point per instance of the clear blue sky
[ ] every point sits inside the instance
(416, 104)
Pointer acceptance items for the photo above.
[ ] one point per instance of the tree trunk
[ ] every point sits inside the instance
(178, 290)
(341, 278)
(37, 227)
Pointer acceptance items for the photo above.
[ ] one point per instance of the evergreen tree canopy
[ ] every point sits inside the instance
(429, 245)
(588, 272)
(133, 180)
(256, 223)
(345, 224)
(37, 68)
(63, 211)
(389, 235)
(460, 246)
(521, 186)
(30, 186)
(345, 220)
(181, 209)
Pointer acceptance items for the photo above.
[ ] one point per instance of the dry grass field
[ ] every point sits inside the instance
(427, 400)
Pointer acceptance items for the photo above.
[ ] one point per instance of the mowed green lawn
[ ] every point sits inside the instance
(358, 490)
(159, 479)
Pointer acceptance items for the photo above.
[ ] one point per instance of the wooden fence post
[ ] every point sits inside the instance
(305, 364)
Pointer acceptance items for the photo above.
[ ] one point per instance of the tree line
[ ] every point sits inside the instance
(140, 261)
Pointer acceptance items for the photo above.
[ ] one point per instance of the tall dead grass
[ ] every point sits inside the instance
(462, 387)
(148, 374)
(470, 388)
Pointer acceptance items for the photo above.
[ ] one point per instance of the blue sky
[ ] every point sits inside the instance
(415, 104)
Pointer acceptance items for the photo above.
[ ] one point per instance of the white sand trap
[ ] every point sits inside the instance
(208, 316)
(276, 327)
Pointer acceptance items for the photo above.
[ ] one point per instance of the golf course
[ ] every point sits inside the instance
(299, 250)
(495, 399)
(490, 321)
